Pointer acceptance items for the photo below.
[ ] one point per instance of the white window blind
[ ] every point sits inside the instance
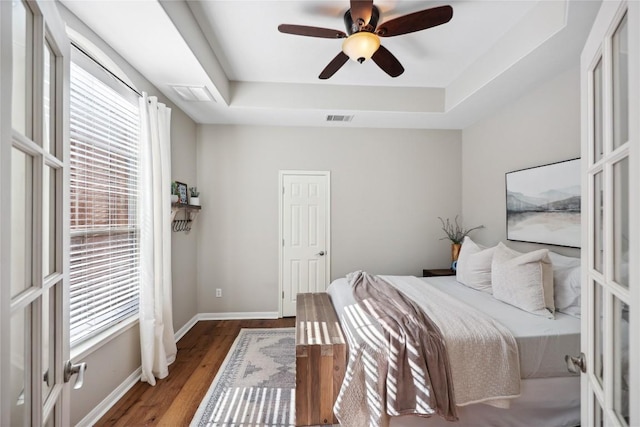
(104, 272)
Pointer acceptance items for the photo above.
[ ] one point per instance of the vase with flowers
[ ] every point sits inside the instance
(456, 233)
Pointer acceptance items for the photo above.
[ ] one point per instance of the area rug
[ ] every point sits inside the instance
(255, 385)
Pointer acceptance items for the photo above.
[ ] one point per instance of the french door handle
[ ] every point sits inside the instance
(321, 253)
(575, 365)
(75, 368)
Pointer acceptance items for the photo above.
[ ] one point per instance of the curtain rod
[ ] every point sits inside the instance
(74, 44)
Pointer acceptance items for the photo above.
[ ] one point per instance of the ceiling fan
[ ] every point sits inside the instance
(362, 39)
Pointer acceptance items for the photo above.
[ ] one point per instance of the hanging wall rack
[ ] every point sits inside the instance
(182, 216)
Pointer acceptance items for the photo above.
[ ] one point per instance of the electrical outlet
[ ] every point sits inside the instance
(218, 293)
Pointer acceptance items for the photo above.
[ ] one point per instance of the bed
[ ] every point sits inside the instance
(548, 395)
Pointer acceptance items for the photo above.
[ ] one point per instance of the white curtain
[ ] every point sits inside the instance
(156, 318)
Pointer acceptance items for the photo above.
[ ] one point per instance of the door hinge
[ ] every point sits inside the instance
(282, 294)
(282, 189)
(282, 242)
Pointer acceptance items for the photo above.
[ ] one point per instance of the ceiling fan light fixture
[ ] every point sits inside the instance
(361, 46)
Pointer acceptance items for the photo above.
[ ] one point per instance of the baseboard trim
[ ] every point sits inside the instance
(186, 328)
(239, 315)
(98, 412)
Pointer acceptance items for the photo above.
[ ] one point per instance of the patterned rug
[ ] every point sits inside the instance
(255, 385)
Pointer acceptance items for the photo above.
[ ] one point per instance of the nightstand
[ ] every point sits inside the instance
(433, 272)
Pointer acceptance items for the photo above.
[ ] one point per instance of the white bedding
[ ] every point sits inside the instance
(392, 363)
(550, 395)
(542, 342)
(545, 402)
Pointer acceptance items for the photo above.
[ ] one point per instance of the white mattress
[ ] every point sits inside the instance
(542, 343)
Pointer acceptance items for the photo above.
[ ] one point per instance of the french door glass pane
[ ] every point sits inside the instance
(48, 101)
(49, 223)
(620, 85)
(597, 112)
(598, 332)
(48, 340)
(621, 222)
(22, 21)
(621, 359)
(21, 208)
(598, 228)
(19, 372)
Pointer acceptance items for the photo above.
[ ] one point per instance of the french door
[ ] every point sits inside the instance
(34, 55)
(610, 71)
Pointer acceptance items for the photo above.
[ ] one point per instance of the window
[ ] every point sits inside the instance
(105, 259)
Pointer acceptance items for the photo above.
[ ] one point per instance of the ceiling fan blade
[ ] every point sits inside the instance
(303, 30)
(335, 64)
(361, 9)
(415, 21)
(387, 62)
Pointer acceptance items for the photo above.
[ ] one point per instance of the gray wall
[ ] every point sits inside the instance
(387, 189)
(539, 128)
(110, 364)
(183, 245)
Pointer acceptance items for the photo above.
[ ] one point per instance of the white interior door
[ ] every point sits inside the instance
(33, 87)
(611, 194)
(304, 231)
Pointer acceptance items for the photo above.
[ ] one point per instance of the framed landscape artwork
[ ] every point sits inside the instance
(543, 204)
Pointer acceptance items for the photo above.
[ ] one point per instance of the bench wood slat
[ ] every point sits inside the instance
(321, 356)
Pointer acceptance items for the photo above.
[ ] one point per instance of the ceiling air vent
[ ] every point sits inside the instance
(338, 118)
(193, 93)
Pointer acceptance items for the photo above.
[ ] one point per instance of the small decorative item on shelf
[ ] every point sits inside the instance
(195, 196)
(182, 192)
(174, 192)
(456, 233)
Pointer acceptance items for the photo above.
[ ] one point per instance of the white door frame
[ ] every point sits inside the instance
(598, 46)
(281, 175)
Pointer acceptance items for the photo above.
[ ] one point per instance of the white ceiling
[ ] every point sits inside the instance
(488, 54)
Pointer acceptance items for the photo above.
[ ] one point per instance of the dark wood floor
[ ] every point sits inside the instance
(174, 400)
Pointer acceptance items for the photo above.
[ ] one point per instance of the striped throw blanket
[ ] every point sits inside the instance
(419, 357)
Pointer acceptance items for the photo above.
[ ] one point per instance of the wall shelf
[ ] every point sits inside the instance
(189, 214)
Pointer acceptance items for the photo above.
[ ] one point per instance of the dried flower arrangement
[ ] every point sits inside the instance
(454, 231)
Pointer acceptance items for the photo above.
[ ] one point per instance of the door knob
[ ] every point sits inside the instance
(78, 368)
(575, 365)
(321, 253)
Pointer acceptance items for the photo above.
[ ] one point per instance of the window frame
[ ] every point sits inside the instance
(99, 337)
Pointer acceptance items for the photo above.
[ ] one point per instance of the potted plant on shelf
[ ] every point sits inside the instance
(174, 192)
(194, 199)
(456, 233)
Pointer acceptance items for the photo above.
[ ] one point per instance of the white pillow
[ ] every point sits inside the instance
(474, 265)
(562, 261)
(566, 282)
(523, 280)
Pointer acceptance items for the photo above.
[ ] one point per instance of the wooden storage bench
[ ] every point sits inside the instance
(321, 356)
